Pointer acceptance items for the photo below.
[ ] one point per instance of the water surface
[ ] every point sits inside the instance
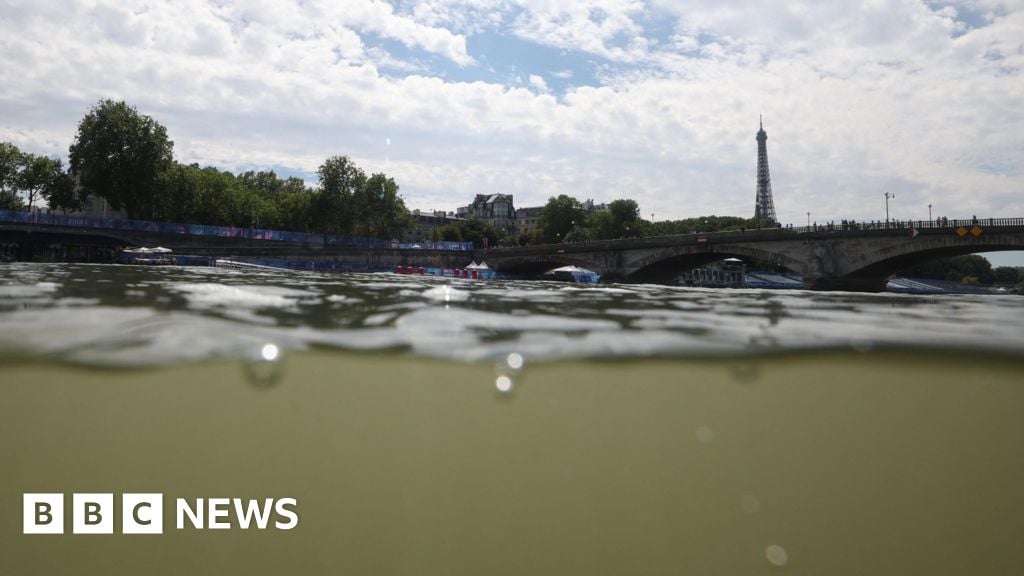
(432, 426)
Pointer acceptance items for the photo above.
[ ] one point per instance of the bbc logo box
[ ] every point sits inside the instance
(92, 513)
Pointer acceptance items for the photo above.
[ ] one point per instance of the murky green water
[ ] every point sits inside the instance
(439, 427)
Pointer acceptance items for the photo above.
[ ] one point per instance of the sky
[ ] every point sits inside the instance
(655, 100)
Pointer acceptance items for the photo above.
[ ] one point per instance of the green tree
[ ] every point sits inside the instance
(377, 209)
(561, 216)
(340, 180)
(38, 176)
(626, 216)
(62, 193)
(220, 200)
(265, 183)
(476, 230)
(451, 233)
(620, 220)
(180, 194)
(295, 207)
(1007, 275)
(59, 190)
(121, 155)
(700, 224)
(956, 268)
(12, 160)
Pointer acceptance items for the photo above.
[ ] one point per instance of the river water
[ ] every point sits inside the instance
(439, 426)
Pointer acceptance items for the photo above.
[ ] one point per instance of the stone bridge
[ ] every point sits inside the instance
(858, 258)
(853, 257)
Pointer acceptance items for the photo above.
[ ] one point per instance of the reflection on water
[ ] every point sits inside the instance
(602, 430)
(133, 315)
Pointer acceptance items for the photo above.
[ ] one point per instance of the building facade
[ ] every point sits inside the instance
(494, 209)
(528, 219)
(427, 222)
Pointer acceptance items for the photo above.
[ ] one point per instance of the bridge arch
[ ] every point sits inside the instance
(883, 263)
(672, 261)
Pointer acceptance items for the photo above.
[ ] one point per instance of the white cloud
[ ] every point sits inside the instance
(538, 83)
(378, 17)
(606, 28)
(858, 99)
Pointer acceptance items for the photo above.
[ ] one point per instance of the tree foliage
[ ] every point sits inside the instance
(26, 176)
(63, 193)
(957, 268)
(620, 220)
(340, 179)
(701, 224)
(11, 162)
(121, 155)
(378, 211)
(475, 231)
(562, 216)
(127, 158)
(1008, 275)
(39, 176)
(564, 219)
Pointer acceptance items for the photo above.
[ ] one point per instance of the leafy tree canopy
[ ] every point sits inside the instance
(560, 217)
(33, 177)
(956, 268)
(39, 176)
(340, 179)
(620, 220)
(121, 155)
(12, 160)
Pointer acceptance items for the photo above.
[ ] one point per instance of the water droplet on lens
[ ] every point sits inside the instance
(504, 384)
(264, 366)
(705, 435)
(776, 555)
(507, 371)
(514, 361)
(269, 352)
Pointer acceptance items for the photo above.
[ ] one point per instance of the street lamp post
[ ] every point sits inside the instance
(929, 212)
(808, 220)
(887, 196)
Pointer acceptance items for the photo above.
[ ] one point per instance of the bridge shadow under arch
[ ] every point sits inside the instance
(882, 270)
(664, 267)
(534, 269)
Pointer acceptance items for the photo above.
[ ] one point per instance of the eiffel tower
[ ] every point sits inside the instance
(764, 207)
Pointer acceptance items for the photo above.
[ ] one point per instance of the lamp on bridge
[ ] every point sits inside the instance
(808, 220)
(887, 196)
(929, 212)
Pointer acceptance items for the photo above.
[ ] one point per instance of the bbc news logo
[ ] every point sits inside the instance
(94, 513)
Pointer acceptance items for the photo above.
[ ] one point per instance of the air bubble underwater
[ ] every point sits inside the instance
(776, 555)
(508, 371)
(264, 365)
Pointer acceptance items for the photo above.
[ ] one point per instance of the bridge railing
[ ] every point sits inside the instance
(74, 221)
(920, 225)
(938, 225)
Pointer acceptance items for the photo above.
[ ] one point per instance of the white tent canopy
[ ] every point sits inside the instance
(571, 268)
(157, 250)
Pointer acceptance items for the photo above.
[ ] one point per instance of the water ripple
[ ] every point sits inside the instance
(140, 316)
